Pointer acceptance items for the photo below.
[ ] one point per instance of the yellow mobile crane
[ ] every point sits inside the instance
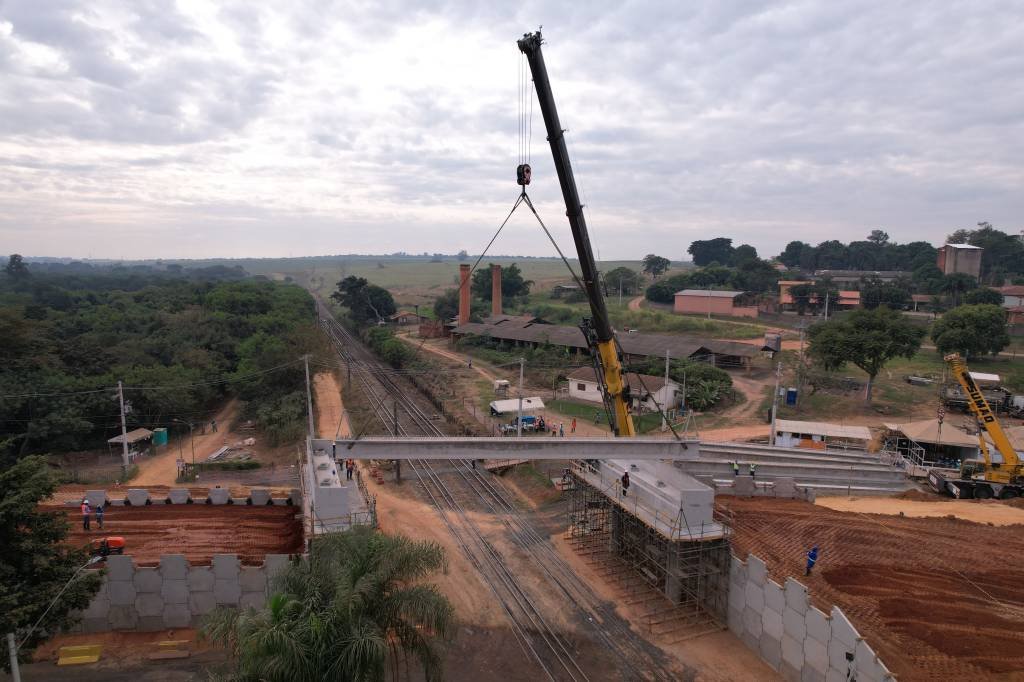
(992, 479)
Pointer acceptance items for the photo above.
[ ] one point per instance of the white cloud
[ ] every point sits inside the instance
(238, 129)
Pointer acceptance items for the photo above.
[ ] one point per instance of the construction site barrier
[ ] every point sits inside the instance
(138, 497)
(796, 639)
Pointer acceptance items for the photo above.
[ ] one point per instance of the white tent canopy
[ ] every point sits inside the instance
(512, 405)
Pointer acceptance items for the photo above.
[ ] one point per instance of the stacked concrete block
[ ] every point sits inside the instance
(226, 588)
(96, 498)
(792, 636)
(174, 569)
(259, 497)
(218, 496)
(201, 599)
(743, 486)
(253, 582)
(179, 495)
(137, 497)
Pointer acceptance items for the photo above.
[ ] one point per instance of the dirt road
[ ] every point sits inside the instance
(634, 304)
(162, 469)
(331, 418)
(196, 530)
(978, 511)
(937, 598)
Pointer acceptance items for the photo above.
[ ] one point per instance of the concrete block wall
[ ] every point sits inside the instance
(802, 643)
(139, 497)
(175, 594)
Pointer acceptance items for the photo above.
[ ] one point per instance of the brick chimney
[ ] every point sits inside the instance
(495, 289)
(463, 293)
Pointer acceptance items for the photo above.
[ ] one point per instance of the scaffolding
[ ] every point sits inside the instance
(676, 575)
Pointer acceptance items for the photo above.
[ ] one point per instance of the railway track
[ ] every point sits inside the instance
(454, 491)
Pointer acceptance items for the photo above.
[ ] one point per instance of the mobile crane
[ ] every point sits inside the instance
(597, 329)
(991, 479)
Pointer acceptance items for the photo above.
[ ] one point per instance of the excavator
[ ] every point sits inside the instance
(982, 479)
(597, 329)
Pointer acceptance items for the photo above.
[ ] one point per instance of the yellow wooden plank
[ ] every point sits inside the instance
(77, 660)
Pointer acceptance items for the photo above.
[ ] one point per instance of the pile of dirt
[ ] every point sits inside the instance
(921, 496)
(196, 530)
(937, 598)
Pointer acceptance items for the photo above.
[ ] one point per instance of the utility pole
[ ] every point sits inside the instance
(826, 304)
(709, 301)
(124, 432)
(309, 399)
(519, 414)
(664, 413)
(620, 292)
(13, 649)
(775, 402)
(398, 462)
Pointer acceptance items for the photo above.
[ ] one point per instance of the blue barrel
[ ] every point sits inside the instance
(160, 436)
(791, 396)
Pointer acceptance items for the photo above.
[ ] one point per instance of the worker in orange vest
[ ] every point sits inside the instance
(86, 513)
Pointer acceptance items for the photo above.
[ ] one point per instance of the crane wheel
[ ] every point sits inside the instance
(1008, 494)
(983, 492)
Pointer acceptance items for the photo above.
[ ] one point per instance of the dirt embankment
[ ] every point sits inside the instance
(937, 598)
(196, 530)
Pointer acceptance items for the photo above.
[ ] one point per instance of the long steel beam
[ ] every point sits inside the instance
(536, 447)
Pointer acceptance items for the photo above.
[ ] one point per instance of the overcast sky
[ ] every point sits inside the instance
(153, 129)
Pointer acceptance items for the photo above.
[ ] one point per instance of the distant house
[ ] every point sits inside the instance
(404, 318)
(847, 298)
(713, 302)
(840, 277)
(1013, 295)
(962, 258)
(646, 390)
(563, 290)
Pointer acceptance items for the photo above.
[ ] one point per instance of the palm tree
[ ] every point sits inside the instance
(354, 610)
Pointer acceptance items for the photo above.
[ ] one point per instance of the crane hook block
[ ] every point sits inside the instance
(523, 174)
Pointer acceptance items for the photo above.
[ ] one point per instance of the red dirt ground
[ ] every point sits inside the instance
(936, 598)
(196, 530)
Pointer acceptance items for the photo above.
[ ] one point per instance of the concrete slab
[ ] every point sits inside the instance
(91, 625)
(218, 495)
(788, 672)
(259, 497)
(179, 495)
(175, 592)
(123, 617)
(816, 656)
(842, 629)
(227, 592)
(743, 486)
(100, 604)
(835, 675)
(772, 623)
(200, 579)
(771, 650)
(785, 487)
(839, 654)
(151, 623)
(148, 604)
(122, 593)
(253, 579)
(865, 663)
(774, 598)
(794, 624)
(226, 566)
(735, 620)
(752, 623)
(757, 572)
(120, 567)
(754, 597)
(96, 497)
(751, 640)
(138, 497)
(252, 600)
(811, 675)
(793, 652)
(796, 596)
(147, 579)
(274, 564)
(201, 603)
(818, 626)
(177, 616)
(737, 570)
(174, 567)
(296, 497)
(737, 597)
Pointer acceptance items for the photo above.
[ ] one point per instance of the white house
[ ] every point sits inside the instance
(645, 389)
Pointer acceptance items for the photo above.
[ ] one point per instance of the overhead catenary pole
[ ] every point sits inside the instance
(664, 413)
(775, 402)
(519, 412)
(124, 431)
(12, 648)
(398, 462)
(309, 399)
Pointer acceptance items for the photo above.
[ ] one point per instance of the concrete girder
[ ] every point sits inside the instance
(532, 447)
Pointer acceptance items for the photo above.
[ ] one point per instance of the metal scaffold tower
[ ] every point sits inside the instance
(677, 576)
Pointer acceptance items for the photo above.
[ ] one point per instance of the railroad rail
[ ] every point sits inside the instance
(538, 638)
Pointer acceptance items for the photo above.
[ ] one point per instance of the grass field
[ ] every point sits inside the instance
(587, 411)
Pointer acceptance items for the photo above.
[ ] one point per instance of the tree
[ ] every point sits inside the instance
(36, 564)
(867, 338)
(879, 237)
(790, 257)
(664, 291)
(971, 330)
(16, 266)
(756, 275)
(628, 279)
(982, 296)
(366, 302)
(462, 255)
(1003, 253)
(956, 284)
(655, 265)
(513, 285)
(743, 254)
(707, 251)
(874, 292)
(928, 278)
(357, 609)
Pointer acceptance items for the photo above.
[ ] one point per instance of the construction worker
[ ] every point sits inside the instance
(99, 516)
(349, 466)
(572, 426)
(812, 558)
(213, 425)
(753, 469)
(561, 429)
(625, 483)
(86, 513)
(735, 468)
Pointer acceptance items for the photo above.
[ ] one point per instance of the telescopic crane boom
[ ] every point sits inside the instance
(598, 330)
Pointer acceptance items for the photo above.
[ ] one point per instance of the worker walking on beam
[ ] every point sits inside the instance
(753, 469)
(735, 468)
(812, 558)
(625, 483)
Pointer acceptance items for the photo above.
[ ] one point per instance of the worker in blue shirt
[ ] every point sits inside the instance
(812, 558)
